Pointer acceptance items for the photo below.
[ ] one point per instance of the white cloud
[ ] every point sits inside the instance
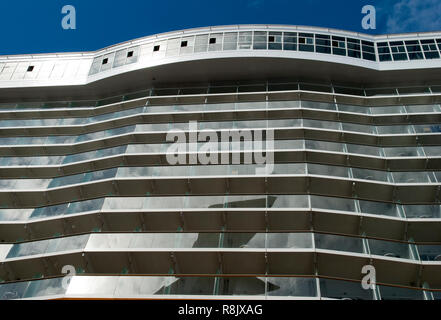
(414, 16)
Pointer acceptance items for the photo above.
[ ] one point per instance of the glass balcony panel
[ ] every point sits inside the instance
(432, 151)
(244, 240)
(220, 106)
(245, 286)
(216, 125)
(68, 243)
(394, 129)
(86, 137)
(353, 109)
(189, 108)
(352, 127)
(197, 240)
(101, 175)
(423, 108)
(123, 203)
(321, 124)
(204, 202)
(389, 249)
(344, 290)
(154, 240)
(388, 110)
(152, 127)
(289, 240)
(291, 287)
(84, 206)
(330, 171)
(160, 109)
(411, 177)
(79, 157)
(191, 286)
(328, 203)
(44, 288)
(283, 104)
(324, 146)
(213, 170)
(109, 241)
(338, 243)
(103, 153)
(396, 293)
(430, 252)
(12, 291)
(163, 203)
(374, 175)
(285, 123)
(366, 150)
(128, 287)
(246, 202)
(379, 208)
(428, 128)
(50, 211)
(24, 184)
(250, 105)
(288, 145)
(290, 169)
(401, 152)
(422, 211)
(15, 214)
(119, 131)
(318, 105)
(126, 172)
(251, 124)
(28, 249)
(92, 286)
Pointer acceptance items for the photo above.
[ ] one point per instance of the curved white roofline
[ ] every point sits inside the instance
(239, 27)
(163, 58)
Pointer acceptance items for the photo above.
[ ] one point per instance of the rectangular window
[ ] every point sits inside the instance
(384, 51)
(353, 48)
(398, 50)
(306, 42)
(215, 42)
(368, 49)
(245, 39)
(105, 60)
(414, 50)
(260, 40)
(230, 41)
(275, 41)
(290, 41)
(30, 69)
(156, 48)
(439, 43)
(187, 45)
(201, 43)
(322, 43)
(430, 49)
(339, 46)
(129, 54)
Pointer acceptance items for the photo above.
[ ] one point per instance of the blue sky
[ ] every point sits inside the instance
(34, 26)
